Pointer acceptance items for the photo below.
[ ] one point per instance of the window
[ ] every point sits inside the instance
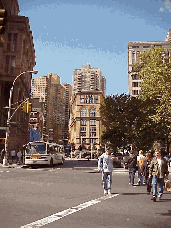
(92, 128)
(83, 122)
(135, 46)
(83, 134)
(92, 112)
(146, 46)
(92, 122)
(133, 57)
(91, 98)
(96, 99)
(92, 140)
(134, 92)
(83, 140)
(82, 99)
(134, 76)
(10, 64)
(83, 129)
(86, 99)
(135, 84)
(83, 112)
(92, 134)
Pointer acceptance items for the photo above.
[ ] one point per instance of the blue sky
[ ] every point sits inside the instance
(70, 33)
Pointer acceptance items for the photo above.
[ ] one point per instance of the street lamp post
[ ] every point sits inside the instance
(9, 113)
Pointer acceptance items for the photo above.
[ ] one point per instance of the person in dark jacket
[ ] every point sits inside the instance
(132, 162)
(146, 172)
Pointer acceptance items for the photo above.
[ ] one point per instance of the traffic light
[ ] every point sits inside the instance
(24, 107)
(3, 17)
(29, 107)
(2, 140)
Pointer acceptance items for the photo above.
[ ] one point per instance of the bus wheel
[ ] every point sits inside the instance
(51, 162)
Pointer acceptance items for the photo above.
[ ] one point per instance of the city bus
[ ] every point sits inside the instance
(43, 153)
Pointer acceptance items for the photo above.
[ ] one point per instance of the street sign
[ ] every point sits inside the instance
(3, 128)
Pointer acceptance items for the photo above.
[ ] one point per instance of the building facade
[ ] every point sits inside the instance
(68, 93)
(134, 48)
(85, 126)
(55, 98)
(17, 55)
(85, 122)
(88, 79)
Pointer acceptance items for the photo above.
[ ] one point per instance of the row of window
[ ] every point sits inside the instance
(88, 99)
(84, 128)
(83, 112)
(84, 122)
(88, 140)
(92, 134)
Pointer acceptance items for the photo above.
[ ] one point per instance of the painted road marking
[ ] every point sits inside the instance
(69, 211)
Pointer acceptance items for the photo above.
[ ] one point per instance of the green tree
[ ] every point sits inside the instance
(154, 68)
(126, 122)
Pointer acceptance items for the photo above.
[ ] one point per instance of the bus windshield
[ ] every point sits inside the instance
(36, 149)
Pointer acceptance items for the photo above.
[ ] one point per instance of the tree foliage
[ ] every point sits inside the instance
(126, 122)
(154, 68)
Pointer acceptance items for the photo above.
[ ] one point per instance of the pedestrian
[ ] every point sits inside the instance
(141, 162)
(105, 165)
(19, 155)
(158, 171)
(2, 155)
(146, 172)
(13, 155)
(132, 164)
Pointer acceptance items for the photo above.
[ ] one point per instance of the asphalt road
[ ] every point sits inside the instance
(73, 194)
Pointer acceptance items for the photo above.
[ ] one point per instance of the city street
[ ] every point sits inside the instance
(71, 195)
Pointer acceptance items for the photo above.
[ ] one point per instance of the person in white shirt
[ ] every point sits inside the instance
(105, 164)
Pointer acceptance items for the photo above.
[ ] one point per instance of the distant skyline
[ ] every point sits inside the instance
(70, 33)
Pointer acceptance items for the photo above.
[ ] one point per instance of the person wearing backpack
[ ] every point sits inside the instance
(141, 161)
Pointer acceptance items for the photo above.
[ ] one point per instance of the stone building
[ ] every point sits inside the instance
(17, 55)
(85, 127)
(85, 122)
(134, 48)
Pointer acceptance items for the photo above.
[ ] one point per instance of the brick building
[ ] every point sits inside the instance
(17, 55)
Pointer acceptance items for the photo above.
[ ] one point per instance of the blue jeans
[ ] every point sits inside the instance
(141, 178)
(132, 175)
(107, 180)
(155, 181)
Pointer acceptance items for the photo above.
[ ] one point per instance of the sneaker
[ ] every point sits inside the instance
(154, 199)
(105, 192)
(159, 197)
(109, 192)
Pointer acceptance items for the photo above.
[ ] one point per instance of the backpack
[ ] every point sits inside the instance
(141, 162)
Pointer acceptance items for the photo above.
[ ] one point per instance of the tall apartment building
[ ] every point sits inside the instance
(134, 48)
(39, 86)
(17, 55)
(89, 89)
(55, 97)
(88, 79)
(68, 93)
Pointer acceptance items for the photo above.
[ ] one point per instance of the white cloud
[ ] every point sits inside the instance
(168, 4)
(162, 9)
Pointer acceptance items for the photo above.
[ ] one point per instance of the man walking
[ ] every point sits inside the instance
(158, 170)
(132, 162)
(19, 155)
(13, 155)
(105, 164)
